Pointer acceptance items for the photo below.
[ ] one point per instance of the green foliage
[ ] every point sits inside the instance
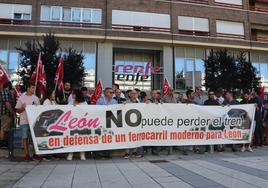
(228, 72)
(51, 51)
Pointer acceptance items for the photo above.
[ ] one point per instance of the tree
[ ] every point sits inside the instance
(247, 74)
(228, 72)
(220, 70)
(211, 71)
(49, 47)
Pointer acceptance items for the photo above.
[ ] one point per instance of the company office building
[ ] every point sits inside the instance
(136, 43)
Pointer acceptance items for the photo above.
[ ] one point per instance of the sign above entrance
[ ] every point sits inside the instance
(139, 72)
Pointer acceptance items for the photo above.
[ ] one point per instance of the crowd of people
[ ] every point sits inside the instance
(10, 107)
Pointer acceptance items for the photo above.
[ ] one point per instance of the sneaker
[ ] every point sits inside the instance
(36, 158)
(82, 156)
(126, 156)
(27, 158)
(70, 157)
(243, 149)
(184, 152)
(135, 154)
(234, 149)
(250, 149)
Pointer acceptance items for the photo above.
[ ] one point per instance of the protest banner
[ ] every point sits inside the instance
(63, 129)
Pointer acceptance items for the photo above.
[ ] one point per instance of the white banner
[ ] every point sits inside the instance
(63, 129)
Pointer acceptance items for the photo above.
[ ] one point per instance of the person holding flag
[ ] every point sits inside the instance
(7, 112)
(64, 90)
(97, 93)
(168, 93)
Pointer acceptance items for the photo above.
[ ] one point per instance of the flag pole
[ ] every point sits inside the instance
(37, 74)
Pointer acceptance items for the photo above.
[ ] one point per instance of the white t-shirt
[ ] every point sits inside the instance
(27, 100)
(49, 102)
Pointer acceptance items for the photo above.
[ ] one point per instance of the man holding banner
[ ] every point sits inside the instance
(24, 100)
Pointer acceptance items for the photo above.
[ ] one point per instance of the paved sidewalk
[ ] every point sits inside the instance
(216, 170)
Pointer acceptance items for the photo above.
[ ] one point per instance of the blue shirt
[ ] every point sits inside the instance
(105, 101)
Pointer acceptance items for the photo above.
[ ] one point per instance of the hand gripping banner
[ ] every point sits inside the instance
(63, 129)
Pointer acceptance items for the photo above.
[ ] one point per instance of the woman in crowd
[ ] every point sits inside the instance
(50, 98)
(78, 100)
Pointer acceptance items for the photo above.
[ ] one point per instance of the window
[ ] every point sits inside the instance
(76, 14)
(56, 13)
(15, 11)
(231, 29)
(142, 19)
(45, 13)
(13, 62)
(186, 23)
(233, 2)
(86, 15)
(71, 14)
(96, 16)
(17, 16)
(66, 14)
(189, 68)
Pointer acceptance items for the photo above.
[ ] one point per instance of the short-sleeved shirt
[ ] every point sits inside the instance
(105, 101)
(27, 100)
(4, 97)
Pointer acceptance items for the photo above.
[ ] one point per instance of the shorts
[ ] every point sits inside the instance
(25, 131)
(6, 122)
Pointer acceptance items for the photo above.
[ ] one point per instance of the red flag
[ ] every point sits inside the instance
(262, 92)
(97, 93)
(39, 76)
(166, 87)
(42, 83)
(59, 75)
(36, 72)
(4, 79)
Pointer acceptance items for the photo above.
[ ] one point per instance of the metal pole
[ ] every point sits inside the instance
(11, 140)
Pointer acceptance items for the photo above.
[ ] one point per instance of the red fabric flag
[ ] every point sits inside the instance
(36, 72)
(39, 77)
(97, 93)
(166, 87)
(4, 79)
(42, 83)
(262, 92)
(59, 75)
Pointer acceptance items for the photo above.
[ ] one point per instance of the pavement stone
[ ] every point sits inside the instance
(205, 171)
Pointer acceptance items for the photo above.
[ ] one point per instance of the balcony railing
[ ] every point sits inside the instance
(14, 21)
(258, 9)
(228, 5)
(140, 28)
(194, 1)
(233, 36)
(194, 33)
(70, 24)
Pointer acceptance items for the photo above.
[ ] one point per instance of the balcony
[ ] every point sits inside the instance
(194, 1)
(259, 5)
(230, 36)
(140, 28)
(194, 33)
(14, 21)
(71, 24)
(259, 35)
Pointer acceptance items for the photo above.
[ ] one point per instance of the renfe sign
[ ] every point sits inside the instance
(135, 72)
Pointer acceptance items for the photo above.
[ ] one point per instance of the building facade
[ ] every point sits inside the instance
(136, 43)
